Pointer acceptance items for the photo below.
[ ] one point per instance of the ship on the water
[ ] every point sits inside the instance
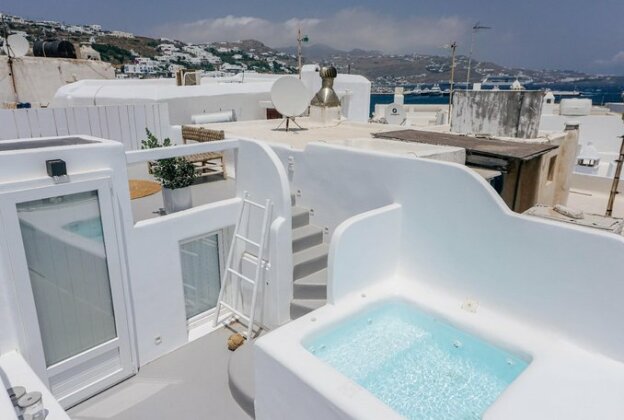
(504, 81)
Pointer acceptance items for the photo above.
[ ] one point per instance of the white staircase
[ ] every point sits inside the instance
(309, 264)
(309, 293)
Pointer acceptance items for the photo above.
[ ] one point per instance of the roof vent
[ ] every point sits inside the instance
(326, 97)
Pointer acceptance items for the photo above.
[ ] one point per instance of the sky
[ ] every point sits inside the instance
(584, 35)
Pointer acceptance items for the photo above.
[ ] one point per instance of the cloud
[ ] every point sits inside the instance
(617, 59)
(346, 29)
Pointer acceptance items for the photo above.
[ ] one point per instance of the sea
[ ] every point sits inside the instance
(599, 93)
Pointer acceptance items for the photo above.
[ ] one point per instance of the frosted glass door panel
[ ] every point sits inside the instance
(64, 247)
(200, 274)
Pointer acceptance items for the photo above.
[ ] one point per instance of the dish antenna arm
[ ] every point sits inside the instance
(9, 51)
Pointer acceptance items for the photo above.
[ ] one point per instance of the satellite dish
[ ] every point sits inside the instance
(16, 46)
(395, 114)
(290, 96)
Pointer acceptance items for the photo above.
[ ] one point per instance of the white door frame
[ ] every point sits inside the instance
(31, 342)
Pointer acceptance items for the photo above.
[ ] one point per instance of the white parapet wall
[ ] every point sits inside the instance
(543, 290)
(376, 259)
(123, 123)
(154, 256)
(144, 259)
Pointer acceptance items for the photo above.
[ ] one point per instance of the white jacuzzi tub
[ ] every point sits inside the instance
(293, 383)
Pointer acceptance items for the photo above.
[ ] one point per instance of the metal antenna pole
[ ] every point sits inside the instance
(9, 51)
(299, 50)
(453, 47)
(476, 28)
(616, 180)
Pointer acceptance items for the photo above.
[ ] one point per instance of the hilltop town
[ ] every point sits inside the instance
(140, 56)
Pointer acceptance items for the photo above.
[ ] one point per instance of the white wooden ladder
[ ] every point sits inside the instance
(231, 275)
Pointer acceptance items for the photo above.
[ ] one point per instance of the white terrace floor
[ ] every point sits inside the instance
(216, 189)
(189, 383)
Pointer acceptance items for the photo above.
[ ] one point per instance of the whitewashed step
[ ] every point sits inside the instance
(300, 307)
(305, 237)
(300, 217)
(309, 261)
(313, 286)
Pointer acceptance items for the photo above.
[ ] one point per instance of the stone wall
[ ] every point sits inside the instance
(497, 113)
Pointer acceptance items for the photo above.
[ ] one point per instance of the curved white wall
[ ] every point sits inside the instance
(460, 237)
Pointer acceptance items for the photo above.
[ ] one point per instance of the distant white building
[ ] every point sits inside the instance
(52, 23)
(166, 49)
(121, 34)
(142, 66)
(181, 55)
(75, 29)
(233, 68)
(15, 19)
(213, 59)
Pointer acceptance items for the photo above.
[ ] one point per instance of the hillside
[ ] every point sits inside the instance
(140, 56)
(392, 70)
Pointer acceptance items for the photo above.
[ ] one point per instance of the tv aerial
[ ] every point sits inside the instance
(395, 114)
(291, 98)
(16, 46)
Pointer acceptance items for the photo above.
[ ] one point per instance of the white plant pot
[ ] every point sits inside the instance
(177, 200)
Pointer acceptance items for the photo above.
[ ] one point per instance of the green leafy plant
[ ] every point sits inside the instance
(172, 173)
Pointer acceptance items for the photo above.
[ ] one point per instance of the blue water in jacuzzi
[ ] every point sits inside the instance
(88, 228)
(418, 365)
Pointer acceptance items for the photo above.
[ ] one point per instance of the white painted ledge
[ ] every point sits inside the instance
(14, 371)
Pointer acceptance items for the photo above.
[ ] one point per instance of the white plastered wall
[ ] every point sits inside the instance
(459, 236)
(154, 256)
(551, 286)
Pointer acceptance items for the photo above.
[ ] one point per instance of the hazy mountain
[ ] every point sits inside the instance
(313, 52)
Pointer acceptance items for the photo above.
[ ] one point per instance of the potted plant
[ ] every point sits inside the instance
(176, 175)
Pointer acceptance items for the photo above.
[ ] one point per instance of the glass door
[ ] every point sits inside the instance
(67, 265)
(201, 260)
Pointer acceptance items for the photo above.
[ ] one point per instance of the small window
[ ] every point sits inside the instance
(201, 274)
